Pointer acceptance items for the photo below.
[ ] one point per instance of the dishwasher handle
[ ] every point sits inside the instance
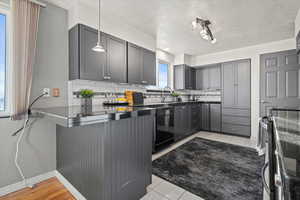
(263, 173)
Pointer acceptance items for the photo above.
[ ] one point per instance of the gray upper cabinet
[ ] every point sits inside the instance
(236, 84)
(141, 65)
(122, 62)
(149, 67)
(208, 78)
(116, 59)
(84, 62)
(90, 65)
(134, 61)
(184, 77)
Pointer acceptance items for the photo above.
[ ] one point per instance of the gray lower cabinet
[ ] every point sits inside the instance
(215, 117)
(108, 161)
(208, 77)
(141, 65)
(184, 77)
(205, 117)
(84, 63)
(236, 98)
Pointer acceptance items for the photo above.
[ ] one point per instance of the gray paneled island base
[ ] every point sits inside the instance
(110, 159)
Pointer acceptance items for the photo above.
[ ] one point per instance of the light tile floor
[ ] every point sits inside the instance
(164, 190)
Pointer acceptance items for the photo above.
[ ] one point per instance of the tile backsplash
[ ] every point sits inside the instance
(113, 90)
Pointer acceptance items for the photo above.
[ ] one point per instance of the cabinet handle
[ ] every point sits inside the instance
(144, 81)
(107, 77)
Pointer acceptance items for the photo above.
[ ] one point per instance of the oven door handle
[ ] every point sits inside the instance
(263, 173)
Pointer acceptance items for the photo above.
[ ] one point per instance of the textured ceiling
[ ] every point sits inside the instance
(235, 23)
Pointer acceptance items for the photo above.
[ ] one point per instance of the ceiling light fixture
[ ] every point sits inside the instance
(99, 47)
(205, 31)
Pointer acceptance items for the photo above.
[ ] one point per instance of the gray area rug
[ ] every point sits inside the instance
(213, 170)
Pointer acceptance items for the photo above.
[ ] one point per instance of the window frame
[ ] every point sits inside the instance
(168, 72)
(5, 10)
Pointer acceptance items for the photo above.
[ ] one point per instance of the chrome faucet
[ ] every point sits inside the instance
(163, 96)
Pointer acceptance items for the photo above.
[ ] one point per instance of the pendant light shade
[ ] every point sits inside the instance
(99, 47)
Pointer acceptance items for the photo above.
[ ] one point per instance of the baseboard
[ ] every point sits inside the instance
(21, 185)
(69, 186)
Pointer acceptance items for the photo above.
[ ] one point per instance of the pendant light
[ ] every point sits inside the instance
(99, 47)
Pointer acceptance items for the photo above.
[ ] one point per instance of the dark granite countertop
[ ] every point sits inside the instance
(175, 103)
(70, 116)
(287, 129)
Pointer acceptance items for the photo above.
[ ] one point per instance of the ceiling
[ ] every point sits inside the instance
(235, 23)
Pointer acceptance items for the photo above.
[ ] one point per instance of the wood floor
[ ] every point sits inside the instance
(50, 189)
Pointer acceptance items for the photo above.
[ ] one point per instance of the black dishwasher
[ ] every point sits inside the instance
(164, 135)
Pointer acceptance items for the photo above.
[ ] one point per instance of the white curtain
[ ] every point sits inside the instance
(25, 28)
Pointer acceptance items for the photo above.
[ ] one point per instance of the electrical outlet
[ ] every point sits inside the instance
(46, 91)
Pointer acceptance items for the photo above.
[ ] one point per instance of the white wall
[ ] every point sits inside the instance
(169, 58)
(183, 59)
(85, 14)
(297, 23)
(252, 52)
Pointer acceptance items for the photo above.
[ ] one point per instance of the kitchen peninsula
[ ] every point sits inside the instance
(104, 152)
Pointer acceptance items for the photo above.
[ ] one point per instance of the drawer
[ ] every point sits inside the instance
(236, 129)
(236, 112)
(228, 119)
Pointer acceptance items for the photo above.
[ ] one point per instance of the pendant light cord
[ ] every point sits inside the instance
(99, 23)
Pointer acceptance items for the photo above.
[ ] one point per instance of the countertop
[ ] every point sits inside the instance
(287, 133)
(71, 116)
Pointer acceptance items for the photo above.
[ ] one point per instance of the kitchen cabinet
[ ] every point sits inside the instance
(215, 117)
(205, 117)
(90, 65)
(236, 98)
(184, 77)
(208, 78)
(181, 121)
(122, 62)
(298, 46)
(141, 65)
(117, 153)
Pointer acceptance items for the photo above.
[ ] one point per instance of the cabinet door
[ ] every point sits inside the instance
(92, 63)
(243, 89)
(179, 77)
(199, 79)
(228, 93)
(116, 59)
(187, 78)
(215, 117)
(215, 77)
(149, 67)
(135, 64)
(205, 117)
(74, 53)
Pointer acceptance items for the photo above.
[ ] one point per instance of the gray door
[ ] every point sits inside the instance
(149, 67)
(279, 81)
(134, 64)
(116, 59)
(92, 64)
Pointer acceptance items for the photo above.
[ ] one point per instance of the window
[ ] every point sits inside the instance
(2, 62)
(163, 74)
(4, 106)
